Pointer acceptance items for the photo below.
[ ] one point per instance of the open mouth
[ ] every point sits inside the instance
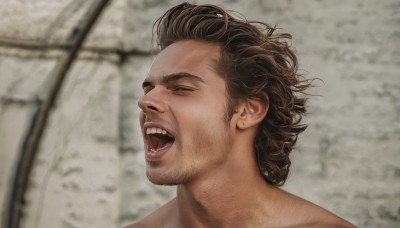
(158, 139)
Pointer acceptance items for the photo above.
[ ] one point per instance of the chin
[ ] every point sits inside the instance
(159, 179)
(163, 178)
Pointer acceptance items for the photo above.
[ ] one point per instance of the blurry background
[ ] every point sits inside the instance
(90, 168)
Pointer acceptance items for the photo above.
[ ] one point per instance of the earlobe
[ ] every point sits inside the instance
(252, 112)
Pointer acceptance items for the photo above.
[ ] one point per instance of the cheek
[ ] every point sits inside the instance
(202, 116)
(210, 143)
(198, 114)
(204, 125)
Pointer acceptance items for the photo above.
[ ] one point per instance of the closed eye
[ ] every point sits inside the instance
(181, 89)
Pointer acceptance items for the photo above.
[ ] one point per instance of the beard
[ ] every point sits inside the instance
(170, 178)
(194, 159)
(184, 166)
(209, 144)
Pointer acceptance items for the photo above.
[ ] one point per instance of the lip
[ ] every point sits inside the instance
(151, 155)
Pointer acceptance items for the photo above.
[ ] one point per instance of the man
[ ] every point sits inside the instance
(221, 112)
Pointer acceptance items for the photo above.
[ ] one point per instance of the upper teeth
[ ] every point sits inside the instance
(156, 130)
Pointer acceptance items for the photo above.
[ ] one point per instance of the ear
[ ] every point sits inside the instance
(251, 112)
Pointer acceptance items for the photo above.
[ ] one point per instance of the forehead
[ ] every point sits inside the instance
(194, 57)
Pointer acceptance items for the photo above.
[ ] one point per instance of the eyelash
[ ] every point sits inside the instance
(180, 88)
(175, 89)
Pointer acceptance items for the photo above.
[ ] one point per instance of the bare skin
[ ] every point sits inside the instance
(210, 160)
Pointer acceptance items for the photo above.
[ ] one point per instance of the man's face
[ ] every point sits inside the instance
(183, 108)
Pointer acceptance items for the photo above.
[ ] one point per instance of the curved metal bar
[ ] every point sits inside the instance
(13, 208)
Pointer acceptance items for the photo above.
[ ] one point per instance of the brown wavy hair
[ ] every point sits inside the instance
(255, 61)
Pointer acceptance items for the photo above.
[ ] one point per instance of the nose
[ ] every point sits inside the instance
(152, 103)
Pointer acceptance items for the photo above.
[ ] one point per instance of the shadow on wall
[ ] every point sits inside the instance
(90, 169)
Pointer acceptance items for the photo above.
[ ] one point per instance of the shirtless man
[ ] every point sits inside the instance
(220, 114)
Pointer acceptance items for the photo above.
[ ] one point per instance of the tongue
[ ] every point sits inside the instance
(159, 142)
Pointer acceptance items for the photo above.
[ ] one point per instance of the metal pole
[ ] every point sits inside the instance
(13, 208)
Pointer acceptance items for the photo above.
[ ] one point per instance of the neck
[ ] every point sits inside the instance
(221, 199)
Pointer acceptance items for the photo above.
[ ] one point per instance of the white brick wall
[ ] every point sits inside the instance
(90, 169)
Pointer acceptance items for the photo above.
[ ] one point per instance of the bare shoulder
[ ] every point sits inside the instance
(159, 218)
(307, 214)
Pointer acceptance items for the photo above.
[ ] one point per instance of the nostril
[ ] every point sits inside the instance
(151, 107)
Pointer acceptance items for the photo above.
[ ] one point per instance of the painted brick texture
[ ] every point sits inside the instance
(349, 158)
(90, 169)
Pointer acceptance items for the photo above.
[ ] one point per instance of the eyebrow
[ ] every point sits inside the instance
(167, 79)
